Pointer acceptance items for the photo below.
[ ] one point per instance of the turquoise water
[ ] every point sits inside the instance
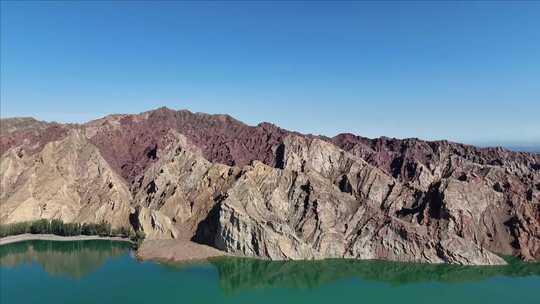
(106, 272)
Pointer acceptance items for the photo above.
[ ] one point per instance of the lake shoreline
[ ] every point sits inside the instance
(161, 250)
(53, 237)
(164, 251)
(51, 272)
(177, 251)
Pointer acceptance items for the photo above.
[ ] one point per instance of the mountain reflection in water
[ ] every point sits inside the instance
(243, 273)
(80, 258)
(73, 259)
(89, 272)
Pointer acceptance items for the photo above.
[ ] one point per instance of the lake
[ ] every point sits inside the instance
(107, 272)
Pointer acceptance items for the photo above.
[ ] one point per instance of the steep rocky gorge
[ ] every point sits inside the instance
(267, 192)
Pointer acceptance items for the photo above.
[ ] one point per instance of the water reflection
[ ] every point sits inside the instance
(78, 259)
(241, 273)
(70, 259)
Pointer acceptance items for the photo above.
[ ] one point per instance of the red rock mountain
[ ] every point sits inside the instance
(265, 191)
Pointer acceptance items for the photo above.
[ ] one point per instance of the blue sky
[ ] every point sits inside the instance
(463, 71)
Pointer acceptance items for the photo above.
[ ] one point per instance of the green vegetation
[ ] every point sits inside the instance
(58, 227)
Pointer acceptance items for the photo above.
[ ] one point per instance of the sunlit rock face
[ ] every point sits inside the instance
(305, 212)
(267, 192)
(68, 179)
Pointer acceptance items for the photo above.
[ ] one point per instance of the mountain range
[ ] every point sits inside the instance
(267, 192)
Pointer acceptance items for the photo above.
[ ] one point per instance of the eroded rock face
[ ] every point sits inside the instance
(301, 213)
(267, 192)
(153, 223)
(129, 142)
(183, 186)
(67, 179)
(29, 134)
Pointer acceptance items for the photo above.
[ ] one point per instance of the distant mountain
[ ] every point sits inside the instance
(528, 149)
(268, 192)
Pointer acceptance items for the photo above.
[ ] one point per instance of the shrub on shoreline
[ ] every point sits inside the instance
(58, 227)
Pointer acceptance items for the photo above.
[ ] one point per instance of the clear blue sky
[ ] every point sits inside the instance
(464, 71)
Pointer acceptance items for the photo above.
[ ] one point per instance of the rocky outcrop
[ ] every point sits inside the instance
(68, 179)
(485, 194)
(183, 186)
(28, 133)
(153, 223)
(130, 142)
(301, 213)
(267, 192)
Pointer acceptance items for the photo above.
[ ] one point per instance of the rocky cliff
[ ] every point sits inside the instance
(267, 192)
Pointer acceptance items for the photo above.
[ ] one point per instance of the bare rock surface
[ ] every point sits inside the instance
(67, 179)
(267, 192)
(289, 214)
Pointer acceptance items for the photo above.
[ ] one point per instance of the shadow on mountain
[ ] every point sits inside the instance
(70, 259)
(236, 274)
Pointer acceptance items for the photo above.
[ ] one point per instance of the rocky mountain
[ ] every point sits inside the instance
(268, 192)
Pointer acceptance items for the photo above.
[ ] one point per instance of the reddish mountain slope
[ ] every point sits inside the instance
(191, 173)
